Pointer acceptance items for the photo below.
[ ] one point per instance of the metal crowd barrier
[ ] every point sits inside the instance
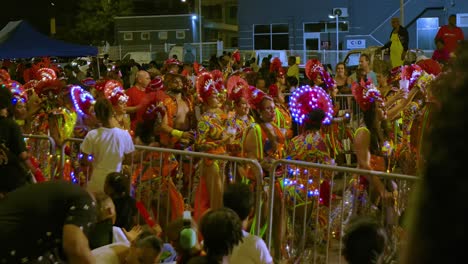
(140, 159)
(44, 155)
(317, 228)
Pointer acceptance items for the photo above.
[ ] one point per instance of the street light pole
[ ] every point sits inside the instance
(337, 39)
(200, 30)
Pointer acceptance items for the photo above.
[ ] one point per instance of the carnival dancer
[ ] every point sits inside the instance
(211, 138)
(240, 119)
(339, 133)
(237, 122)
(264, 141)
(83, 103)
(283, 116)
(153, 185)
(311, 108)
(219, 81)
(371, 140)
(114, 92)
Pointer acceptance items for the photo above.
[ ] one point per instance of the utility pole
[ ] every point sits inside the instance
(402, 12)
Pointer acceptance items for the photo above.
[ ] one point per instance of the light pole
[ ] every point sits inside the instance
(336, 15)
(200, 29)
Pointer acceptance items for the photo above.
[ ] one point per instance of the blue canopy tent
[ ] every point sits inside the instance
(18, 39)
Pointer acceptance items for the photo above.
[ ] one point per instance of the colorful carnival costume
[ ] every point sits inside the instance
(312, 109)
(211, 138)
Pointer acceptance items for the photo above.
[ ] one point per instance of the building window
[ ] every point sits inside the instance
(180, 34)
(162, 35)
(426, 30)
(145, 36)
(462, 20)
(326, 27)
(212, 12)
(274, 36)
(128, 36)
(233, 12)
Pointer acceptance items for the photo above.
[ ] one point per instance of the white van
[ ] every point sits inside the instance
(141, 57)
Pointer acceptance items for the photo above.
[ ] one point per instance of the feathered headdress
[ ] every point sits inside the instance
(82, 100)
(206, 86)
(430, 66)
(198, 68)
(366, 94)
(236, 56)
(237, 88)
(276, 67)
(114, 92)
(305, 99)
(412, 73)
(255, 97)
(44, 74)
(155, 110)
(219, 80)
(90, 82)
(4, 76)
(315, 68)
(155, 85)
(18, 92)
(48, 87)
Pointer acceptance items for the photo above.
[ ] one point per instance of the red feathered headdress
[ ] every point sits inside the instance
(236, 56)
(366, 94)
(88, 82)
(114, 92)
(18, 92)
(430, 66)
(237, 88)
(155, 85)
(219, 80)
(82, 100)
(412, 73)
(44, 74)
(198, 68)
(47, 87)
(276, 67)
(315, 68)
(305, 99)
(206, 86)
(255, 97)
(4, 76)
(155, 110)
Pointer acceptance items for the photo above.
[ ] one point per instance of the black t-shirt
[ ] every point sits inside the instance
(125, 210)
(32, 219)
(12, 174)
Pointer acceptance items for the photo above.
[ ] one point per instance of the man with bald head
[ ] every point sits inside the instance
(398, 43)
(136, 95)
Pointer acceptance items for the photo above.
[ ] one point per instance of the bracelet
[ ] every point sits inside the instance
(176, 133)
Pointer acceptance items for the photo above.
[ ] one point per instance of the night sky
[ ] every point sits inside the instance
(36, 12)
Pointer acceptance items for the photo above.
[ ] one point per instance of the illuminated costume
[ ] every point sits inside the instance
(302, 184)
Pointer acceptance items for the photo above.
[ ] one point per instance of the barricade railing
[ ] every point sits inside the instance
(44, 155)
(316, 217)
(152, 161)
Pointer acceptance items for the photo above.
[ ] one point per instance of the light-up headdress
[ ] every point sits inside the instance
(305, 99)
(82, 100)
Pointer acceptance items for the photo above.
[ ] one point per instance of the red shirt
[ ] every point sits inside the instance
(450, 37)
(441, 55)
(135, 97)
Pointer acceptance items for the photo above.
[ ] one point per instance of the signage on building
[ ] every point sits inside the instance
(356, 43)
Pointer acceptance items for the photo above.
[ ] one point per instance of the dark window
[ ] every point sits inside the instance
(262, 29)
(233, 12)
(314, 27)
(280, 42)
(279, 28)
(274, 36)
(262, 42)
